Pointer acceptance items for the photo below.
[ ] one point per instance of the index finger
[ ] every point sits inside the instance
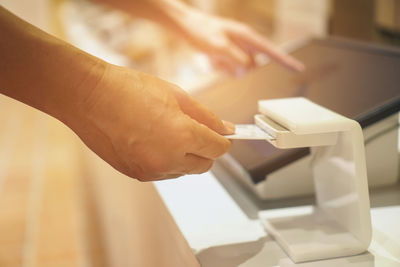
(255, 41)
(205, 142)
(202, 114)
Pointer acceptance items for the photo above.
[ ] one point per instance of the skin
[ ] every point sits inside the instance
(144, 127)
(231, 45)
(156, 131)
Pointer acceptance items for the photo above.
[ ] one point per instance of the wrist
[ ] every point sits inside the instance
(74, 106)
(42, 71)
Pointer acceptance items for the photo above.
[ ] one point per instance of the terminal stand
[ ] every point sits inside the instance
(339, 224)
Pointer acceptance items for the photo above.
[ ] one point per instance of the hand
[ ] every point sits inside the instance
(148, 128)
(143, 126)
(231, 45)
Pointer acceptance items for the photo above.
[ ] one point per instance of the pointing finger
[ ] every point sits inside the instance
(255, 41)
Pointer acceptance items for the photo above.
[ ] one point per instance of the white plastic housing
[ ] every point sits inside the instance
(340, 224)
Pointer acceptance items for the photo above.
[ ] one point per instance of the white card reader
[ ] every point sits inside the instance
(340, 223)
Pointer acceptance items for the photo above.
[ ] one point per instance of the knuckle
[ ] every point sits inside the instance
(154, 163)
(186, 136)
(139, 175)
(208, 166)
(133, 171)
(224, 147)
(215, 123)
(156, 166)
(202, 167)
(170, 176)
(144, 177)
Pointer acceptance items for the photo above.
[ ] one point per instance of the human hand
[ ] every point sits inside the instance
(231, 45)
(143, 126)
(148, 128)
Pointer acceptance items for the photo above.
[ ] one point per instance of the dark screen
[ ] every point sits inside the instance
(355, 80)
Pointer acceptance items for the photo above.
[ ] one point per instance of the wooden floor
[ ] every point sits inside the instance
(60, 205)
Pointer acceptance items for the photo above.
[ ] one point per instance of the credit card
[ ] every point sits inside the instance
(249, 132)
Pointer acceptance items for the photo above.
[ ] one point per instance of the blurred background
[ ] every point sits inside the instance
(125, 40)
(62, 206)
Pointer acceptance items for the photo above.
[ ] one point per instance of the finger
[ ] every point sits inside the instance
(193, 164)
(238, 56)
(255, 41)
(207, 143)
(200, 113)
(224, 63)
(225, 48)
(169, 176)
(229, 125)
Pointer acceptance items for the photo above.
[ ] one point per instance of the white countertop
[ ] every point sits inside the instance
(222, 234)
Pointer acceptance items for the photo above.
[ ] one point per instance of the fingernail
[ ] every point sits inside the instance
(229, 126)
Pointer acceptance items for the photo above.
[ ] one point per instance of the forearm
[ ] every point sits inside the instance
(43, 71)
